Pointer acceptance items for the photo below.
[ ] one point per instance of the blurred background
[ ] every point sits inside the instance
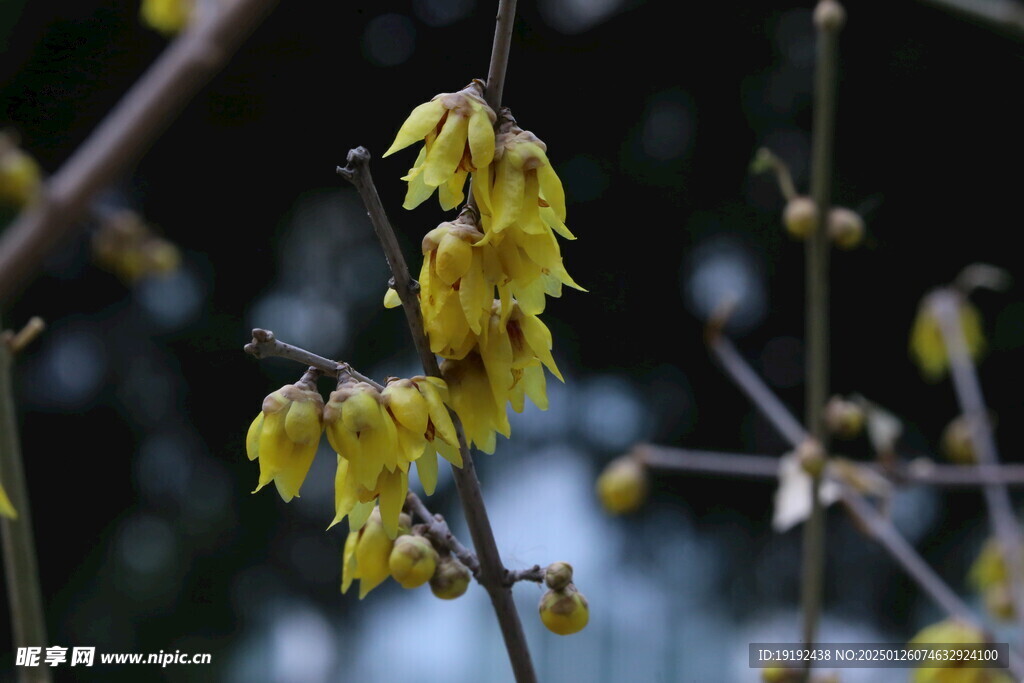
(136, 400)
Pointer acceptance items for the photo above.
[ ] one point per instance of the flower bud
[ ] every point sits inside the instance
(956, 442)
(558, 575)
(564, 611)
(622, 486)
(844, 418)
(20, 176)
(829, 15)
(845, 227)
(451, 578)
(800, 217)
(413, 561)
(811, 457)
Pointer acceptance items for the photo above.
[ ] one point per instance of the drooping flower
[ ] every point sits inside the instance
(285, 435)
(927, 346)
(474, 401)
(366, 554)
(622, 485)
(378, 435)
(167, 16)
(458, 134)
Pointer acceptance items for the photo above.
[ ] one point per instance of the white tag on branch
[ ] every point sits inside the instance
(793, 497)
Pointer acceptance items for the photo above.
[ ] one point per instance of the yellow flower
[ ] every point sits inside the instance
(991, 578)
(366, 556)
(458, 134)
(285, 435)
(20, 176)
(953, 632)
(412, 561)
(520, 188)
(622, 486)
(377, 435)
(166, 16)
(474, 402)
(564, 611)
(927, 346)
(515, 350)
(6, 507)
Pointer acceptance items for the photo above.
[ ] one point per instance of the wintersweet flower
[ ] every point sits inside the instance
(927, 346)
(520, 188)
(285, 435)
(366, 556)
(167, 16)
(20, 176)
(474, 402)
(360, 430)
(458, 134)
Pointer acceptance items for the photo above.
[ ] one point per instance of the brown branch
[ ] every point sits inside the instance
(441, 534)
(265, 345)
(945, 305)
(881, 527)
(21, 567)
(16, 341)
(123, 136)
(503, 24)
(492, 574)
(745, 466)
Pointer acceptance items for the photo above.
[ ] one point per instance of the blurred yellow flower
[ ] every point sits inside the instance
(622, 486)
(6, 507)
(167, 16)
(458, 134)
(953, 632)
(20, 176)
(927, 347)
(285, 435)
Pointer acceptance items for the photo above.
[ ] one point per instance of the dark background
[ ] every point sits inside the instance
(135, 403)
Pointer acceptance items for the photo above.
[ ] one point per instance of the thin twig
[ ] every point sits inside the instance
(16, 341)
(438, 529)
(945, 305)
(767, 159)
(28, 620)
(1006, 16)
(265, 345)
(828, 18)
(123, 136)
(499, 53)
(882, 528)
(492, 572)
(919, 472)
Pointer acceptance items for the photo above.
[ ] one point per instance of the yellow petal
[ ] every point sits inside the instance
(475, 295)
(550, 219)
(450, 193)
(529, 220)
(252, 438)
(345, 496)
(348, 560)
(407, 405)
(360, 513)
(551, 190)
(303, 423)
(426, 468)
(454, 258)
(439, 417)
(393, 488)
(446, 153)
(421, 121)
(507, 195)
(538, 337)
(481, 138)
(450, 453)
(289, 478)
(391, 299)
(482, 189)
(372, 554)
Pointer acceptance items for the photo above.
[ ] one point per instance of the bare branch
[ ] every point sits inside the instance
(265, 345)
(945, 305)
(124, 135)
(1006, 16)
(442, 536)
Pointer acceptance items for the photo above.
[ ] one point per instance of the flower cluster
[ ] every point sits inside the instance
(486, 275)
(377, 435)
(372, 555)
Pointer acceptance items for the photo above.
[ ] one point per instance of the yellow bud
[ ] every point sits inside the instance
(413, 561)
(957, 444)
(844, 418)
(166, 16)
(845, 227)
(558, 575)
(20, 176)
(451, 578)
(564, 612)
(800, 217)
(622, 486)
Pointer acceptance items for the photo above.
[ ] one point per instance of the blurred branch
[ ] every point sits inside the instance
(945, 305)
(492, 575)
(1003, 15)
(880, 527)
(742, 465)
(829, 17)
(766, 160)
(16, 341)
(21, 569)
(123, 136)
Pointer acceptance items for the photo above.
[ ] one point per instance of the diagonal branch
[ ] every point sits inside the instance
(124, 135)
(493, 575)
(945, 305)
(881, 528)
